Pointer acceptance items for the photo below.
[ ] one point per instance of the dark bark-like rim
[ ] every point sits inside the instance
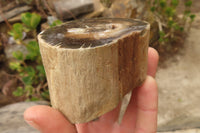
(58, 36)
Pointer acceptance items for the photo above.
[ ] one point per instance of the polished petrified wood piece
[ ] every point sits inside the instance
(92, 64)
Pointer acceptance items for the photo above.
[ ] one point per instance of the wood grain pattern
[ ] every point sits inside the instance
(85, 83)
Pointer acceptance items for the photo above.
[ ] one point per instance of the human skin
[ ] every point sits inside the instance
(140, 116)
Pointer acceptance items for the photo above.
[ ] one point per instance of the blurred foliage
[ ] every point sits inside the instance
(17, 31)
(31, 20)
(32, 76)
(29, 67)
(167, 17)
(56, 23)
(29, 23)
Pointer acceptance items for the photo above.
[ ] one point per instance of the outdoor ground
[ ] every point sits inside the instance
(179, 86)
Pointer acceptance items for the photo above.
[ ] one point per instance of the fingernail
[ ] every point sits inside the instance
(33, 124)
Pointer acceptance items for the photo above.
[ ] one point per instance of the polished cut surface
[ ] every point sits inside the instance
(91, 32)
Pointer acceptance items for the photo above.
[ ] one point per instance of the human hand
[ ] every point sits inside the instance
(140, 116)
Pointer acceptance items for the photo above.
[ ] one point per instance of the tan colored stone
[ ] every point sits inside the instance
(88, 79)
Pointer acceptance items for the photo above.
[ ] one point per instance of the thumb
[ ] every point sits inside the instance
(48, 120)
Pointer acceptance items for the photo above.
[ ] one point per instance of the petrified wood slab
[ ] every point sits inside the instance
(91, 64)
